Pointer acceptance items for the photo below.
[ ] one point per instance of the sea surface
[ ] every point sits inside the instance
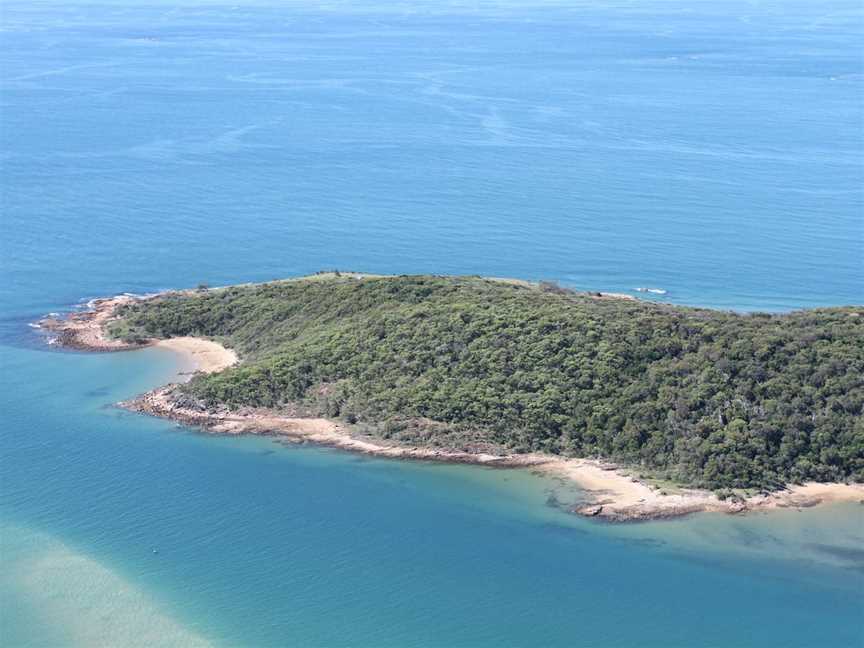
(709, 149)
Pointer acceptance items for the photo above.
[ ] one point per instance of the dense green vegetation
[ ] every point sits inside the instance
(704, 397)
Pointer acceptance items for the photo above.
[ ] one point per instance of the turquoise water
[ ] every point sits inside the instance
(711, 149)
(262, 545)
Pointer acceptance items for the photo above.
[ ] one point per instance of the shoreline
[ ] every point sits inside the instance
(205, 356)
(613, 495)
(85, 330)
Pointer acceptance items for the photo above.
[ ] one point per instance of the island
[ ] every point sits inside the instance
(654, 410)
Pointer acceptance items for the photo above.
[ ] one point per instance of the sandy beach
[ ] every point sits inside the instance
(205, 355)
(86, 330)
(619, 496)
(612, 493)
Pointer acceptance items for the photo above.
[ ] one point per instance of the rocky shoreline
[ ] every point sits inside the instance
(171, 403)
(85, 330)
(613, 495)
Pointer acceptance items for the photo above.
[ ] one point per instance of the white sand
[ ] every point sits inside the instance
(622, 496)
(206, 355)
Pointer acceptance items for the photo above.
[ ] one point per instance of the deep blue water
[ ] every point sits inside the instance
(711, 149)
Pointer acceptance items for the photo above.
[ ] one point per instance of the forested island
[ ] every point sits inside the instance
(709, 399)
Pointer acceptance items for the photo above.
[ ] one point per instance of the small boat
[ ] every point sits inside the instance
(655, 291)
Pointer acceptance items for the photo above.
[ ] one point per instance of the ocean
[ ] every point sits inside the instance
(712, 150)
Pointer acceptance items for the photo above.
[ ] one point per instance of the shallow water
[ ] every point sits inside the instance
(246, 542)
(712, 150)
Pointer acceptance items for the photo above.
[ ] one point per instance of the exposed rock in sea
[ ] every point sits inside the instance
(590, 511)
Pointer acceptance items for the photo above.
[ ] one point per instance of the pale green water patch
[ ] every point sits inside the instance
(51, 595)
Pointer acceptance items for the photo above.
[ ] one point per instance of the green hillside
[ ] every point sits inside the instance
(707, 398)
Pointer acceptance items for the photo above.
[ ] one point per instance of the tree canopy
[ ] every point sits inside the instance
(708, 398)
